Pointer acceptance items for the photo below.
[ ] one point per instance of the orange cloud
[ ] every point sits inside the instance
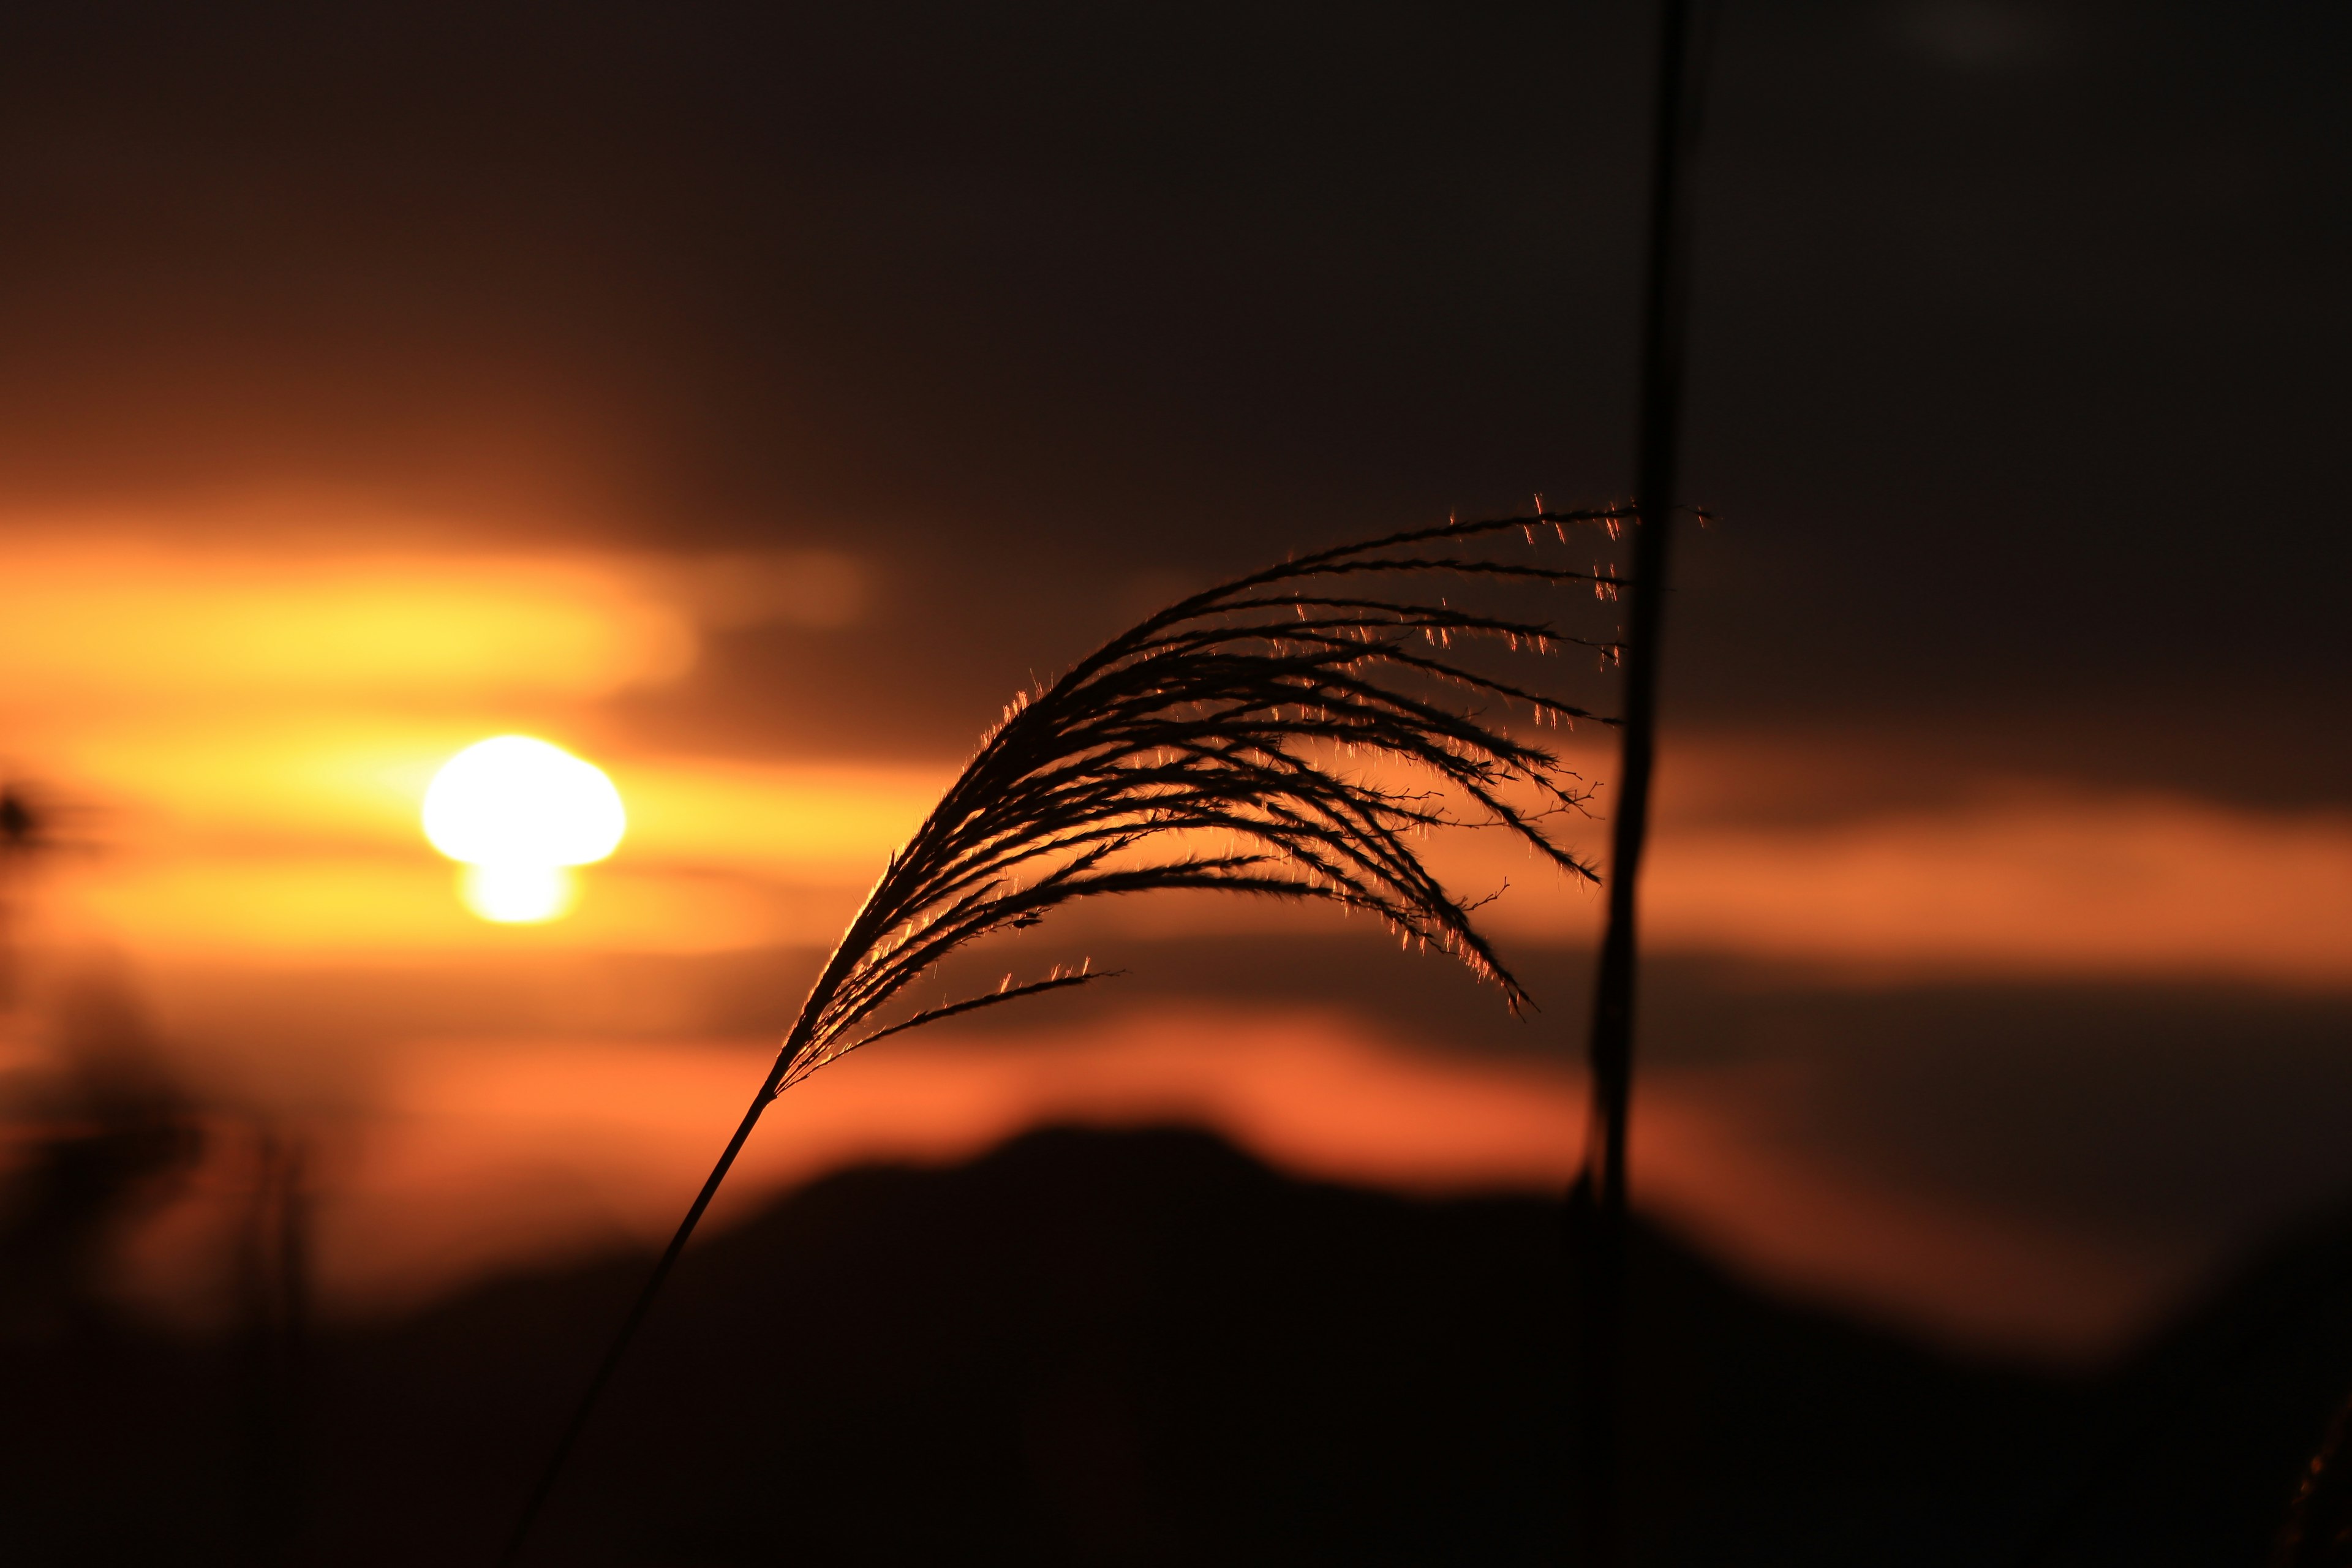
(262, 725)
(122, 621)
(2122, 887)
(491, 1155)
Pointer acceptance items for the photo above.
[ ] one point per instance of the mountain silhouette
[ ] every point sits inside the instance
(1147, 1348)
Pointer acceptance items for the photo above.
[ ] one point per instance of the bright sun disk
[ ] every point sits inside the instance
(518, 814)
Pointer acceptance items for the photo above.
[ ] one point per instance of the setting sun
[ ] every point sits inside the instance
(518, 814)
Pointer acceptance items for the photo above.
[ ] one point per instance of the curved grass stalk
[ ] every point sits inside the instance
(1206, 748)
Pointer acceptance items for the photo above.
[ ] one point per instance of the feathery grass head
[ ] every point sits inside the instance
(1210, 747)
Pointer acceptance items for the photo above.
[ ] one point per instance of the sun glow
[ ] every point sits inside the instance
(518, 814)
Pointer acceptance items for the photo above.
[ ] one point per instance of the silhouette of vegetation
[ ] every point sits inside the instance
(272, 1284)
(2318, 1532)
(111, 1138)
(1215, 746)
(1599, 1202)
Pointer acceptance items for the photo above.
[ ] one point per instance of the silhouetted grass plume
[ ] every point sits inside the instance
(1219, 744)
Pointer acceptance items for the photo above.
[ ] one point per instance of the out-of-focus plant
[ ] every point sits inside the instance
(2318, 1529)
(1224, 743)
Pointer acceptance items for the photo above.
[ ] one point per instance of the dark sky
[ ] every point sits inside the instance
(2020, 336)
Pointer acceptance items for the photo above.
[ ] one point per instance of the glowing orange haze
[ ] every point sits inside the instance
(260, 734)
(263, 731)
(491, 1154)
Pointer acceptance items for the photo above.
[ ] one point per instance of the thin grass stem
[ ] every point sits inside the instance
(1237, 714)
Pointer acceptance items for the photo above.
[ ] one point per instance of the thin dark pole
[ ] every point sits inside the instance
(629, 1325)
(1602, 1265)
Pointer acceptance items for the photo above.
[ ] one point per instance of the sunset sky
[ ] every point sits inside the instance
(751, 400)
